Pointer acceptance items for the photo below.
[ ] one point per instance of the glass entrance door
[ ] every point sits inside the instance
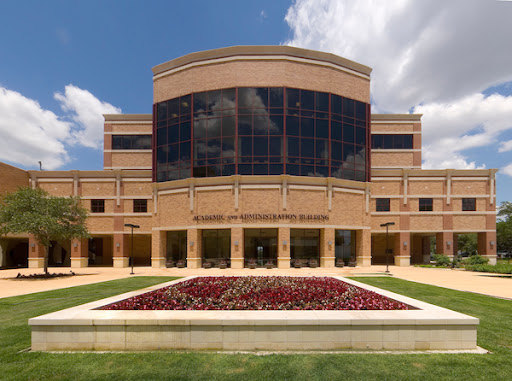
(260, 247)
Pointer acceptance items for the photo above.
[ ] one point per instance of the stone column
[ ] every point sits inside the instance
(402, 249)
(80, 253)
(158, 249)
(237, 248)
(35, 254)
(194, 249)
(363, 247)
(327, 250)
(283, 248)
(487, 246)
(444, 244)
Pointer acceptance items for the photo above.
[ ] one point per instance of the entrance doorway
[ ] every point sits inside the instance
(260, 247)
(304, 247)
(345, 247)
(217, 247)
(176, 249)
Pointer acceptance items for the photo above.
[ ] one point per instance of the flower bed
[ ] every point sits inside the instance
(260, 293)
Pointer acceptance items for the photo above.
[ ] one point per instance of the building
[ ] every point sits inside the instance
(257, 155)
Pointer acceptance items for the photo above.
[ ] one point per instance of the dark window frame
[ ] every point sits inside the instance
(140, 205)
(316, 114)
(469, 204)
(426, 204)
(127, 142)
(98, 206)
(382, 205)
(392, 141)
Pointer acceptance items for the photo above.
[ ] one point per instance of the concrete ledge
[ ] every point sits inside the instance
(83, 328)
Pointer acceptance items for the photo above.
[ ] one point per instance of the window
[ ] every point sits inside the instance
(395, 141)
(262, 131)
(140, 206)
(131, 141)
(468, 204)
(98, 206)
(426, 205)
(382, 205)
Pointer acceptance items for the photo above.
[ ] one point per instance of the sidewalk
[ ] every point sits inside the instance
(455, 279)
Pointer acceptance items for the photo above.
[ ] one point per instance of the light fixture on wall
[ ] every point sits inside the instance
(118, 244)
(32, 245)
(75, 244)
(330, 243)
(405, 244)
(236, 243)
(284, 243)
(492, 243)
(448, 244)
(191, 243)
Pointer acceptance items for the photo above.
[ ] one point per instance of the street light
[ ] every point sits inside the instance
(387, 225)
(133, 227)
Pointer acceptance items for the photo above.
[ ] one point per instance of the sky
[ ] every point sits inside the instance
(65, 63)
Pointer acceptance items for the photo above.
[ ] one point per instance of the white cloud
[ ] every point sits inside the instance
(505, 146)
(29, 133)
(86, 111)
(507, 170)
(435, 57)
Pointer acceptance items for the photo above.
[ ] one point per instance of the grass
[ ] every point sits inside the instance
(495, 334)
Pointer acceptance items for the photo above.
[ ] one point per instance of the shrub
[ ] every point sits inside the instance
(442, 260)
(500, 268)
(476, 260)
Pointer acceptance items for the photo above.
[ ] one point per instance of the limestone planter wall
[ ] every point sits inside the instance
(83, 328)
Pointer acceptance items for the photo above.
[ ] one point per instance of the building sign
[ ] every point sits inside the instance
(266, 217)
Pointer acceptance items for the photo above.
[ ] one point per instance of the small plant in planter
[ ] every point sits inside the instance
(297, 264)
(269, 265)
(313, 263)
(207, 265)
(180, 264)
(223, 264)
(352, 263)
(169, 263)
(340, 263)
(252, 263)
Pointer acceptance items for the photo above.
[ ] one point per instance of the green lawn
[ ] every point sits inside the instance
(495, 334)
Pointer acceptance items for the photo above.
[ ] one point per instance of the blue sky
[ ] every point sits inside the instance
(64, 63)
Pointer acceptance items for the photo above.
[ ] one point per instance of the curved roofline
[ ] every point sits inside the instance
(260, 50)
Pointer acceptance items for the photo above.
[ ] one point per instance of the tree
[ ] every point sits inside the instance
(504, 227)
(467, 243)
(47, 218)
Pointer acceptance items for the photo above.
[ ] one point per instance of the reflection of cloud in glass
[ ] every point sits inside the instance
(250, 99)
(359, 159)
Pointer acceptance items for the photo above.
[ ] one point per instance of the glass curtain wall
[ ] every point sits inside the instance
(176, 247)
(304, 246)
(217, 246)
(260, 247)
(344, 246)
(261, 131)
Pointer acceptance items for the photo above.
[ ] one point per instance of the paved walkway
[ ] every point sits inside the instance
(454, 279)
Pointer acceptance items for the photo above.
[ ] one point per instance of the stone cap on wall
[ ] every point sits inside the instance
(261, 50)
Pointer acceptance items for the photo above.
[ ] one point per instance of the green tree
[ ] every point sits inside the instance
(467, 243)
(47, 218)
(504, 227)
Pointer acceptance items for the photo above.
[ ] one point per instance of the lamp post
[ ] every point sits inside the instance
(387, 225)
(133, 227)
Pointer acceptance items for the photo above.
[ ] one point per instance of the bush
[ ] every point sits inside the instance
(500, 268)
(442, 260)
(476, 260)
